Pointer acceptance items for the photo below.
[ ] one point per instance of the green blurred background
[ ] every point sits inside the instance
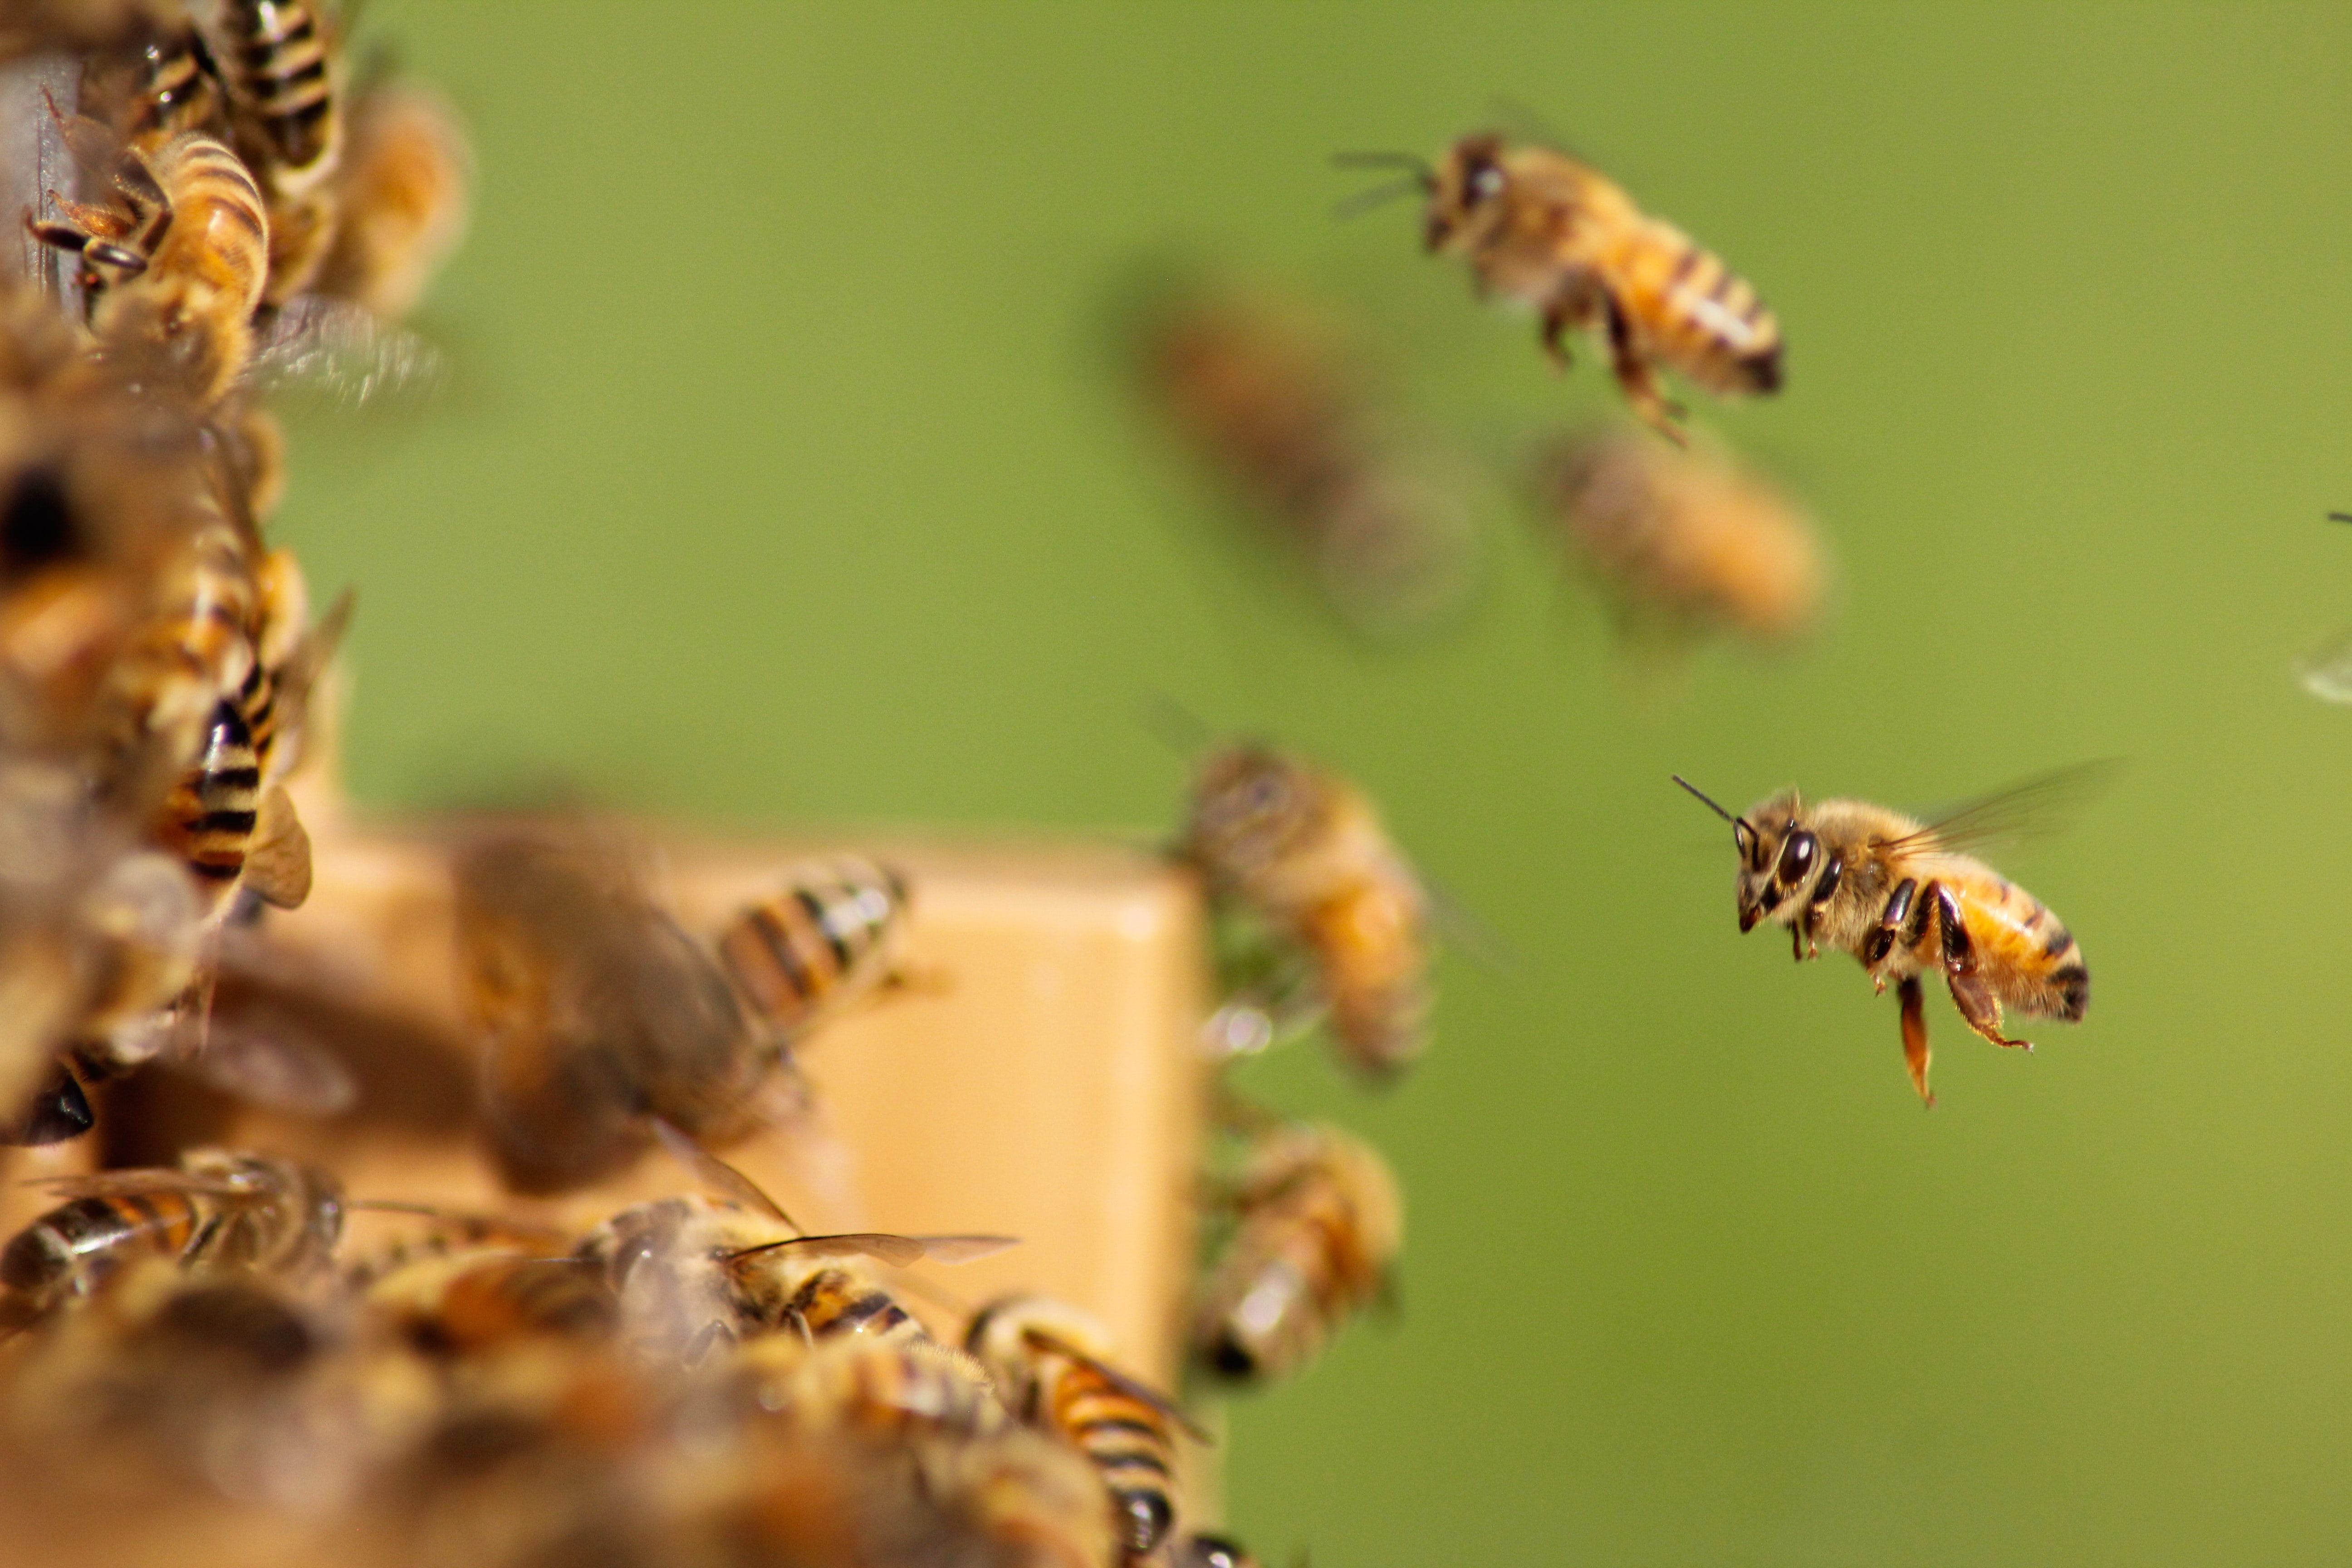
(784, 482)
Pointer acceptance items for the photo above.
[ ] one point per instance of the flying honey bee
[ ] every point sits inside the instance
(1690, 540)
(1903, 897)
(219, 1210)
(1539, 227)
(1049, 1362)
(1304, 852)
(833, 934)
(597, 1012)
(1270, 404)
(1318, 1222)
(401, 195)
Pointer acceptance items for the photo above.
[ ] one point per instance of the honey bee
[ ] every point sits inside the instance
(869, 1387)
(174, 263)
(1304, 852)
(833, 934)
(282, 65)
(1274, 408)
(463, 1303)
(597, 1012)
(693, 1272)
(1900, 896)
(1691, 538)
(402, 194)
(219, 1210)
(1048, 1363)
(1542, 228)
(1319, 1223)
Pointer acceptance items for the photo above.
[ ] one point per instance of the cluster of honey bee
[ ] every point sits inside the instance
(1684, 543)
(235, 218)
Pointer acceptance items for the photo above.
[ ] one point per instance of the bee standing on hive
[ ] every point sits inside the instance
(1691, 540)
(1901, 896)
(1540, 227)
(1049, 1364)
(1304, 852)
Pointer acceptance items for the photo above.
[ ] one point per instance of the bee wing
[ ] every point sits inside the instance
(2326, 672)
(136, 1183)
(1166, 1405)
(2033, 807)
(899, 1251)
(263, 1056)
(344, 353)
(717, 1175)
(962, 1248)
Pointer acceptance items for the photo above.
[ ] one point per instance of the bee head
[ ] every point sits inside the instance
(1466, 197)
(1779, 856)
(1249, 806)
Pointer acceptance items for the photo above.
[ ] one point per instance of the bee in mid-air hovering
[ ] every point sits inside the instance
(1902, 896)
(1684, 539)
(1538, 226)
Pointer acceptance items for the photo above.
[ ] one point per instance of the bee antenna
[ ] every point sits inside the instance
(1422, 172)
(1703, 797)
(1363, 201)
(1174, 725)
(2339, 517)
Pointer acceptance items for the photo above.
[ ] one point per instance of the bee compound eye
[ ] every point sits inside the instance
(1485, 182)
(1797, 858)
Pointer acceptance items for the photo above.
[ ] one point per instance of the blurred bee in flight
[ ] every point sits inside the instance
(1265, 398)
(1318, 1223)
(1540, 228)
(1688, 542)
(1903, 898)
(1302, 854)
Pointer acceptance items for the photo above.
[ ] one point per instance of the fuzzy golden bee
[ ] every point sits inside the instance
(1904, 898)
(1319, 1221)
(401, 196)
(1690, 541)
(281, 63)
(1304, 852)
(1542, 228)
(833, 934)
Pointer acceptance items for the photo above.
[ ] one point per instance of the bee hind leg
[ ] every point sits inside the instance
(1979, 1008)
(1640, 380)
(1881, 943)
(1914, 1035)
(1558, 317)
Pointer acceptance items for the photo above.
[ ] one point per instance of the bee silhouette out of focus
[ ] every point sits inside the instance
(1302, 854)
(402, 200)
(1542, 229)
(1318, 1223)
(217, 1211)
(1903, 897)
(1265, 398)
(1687, 541)
(1050, 1365)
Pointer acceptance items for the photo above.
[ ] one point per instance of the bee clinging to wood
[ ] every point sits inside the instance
(1903, 897)
(1540, 227)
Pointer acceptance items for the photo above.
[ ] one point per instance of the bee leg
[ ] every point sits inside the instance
(1914, 1035)
(1979, 1008)
(1639, 380)
(1797, 932)
(1890, 924)
(1558, 317)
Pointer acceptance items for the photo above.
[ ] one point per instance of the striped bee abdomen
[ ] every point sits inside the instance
(837, 1301)
(1705, 318)
(1129, 1441)
(64, 1248)
(209, 816)
(279, 69)
(832, 933)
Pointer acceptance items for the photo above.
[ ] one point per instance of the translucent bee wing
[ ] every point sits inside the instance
(962, 1248)
(267, 1060)
(898, 1251)
(717, 1175)
(1054, 1343)
(344, 354)
(2326, 672)
(135, 1183)
(2033, 807)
